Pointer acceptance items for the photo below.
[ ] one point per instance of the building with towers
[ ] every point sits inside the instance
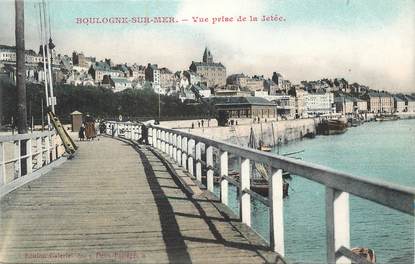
(213, 72)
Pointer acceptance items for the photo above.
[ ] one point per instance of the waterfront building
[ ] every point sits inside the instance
(246, 107)
(8, 55)
(123, 68)
(410, 103)
(180, 82)
(166, 80)
(231, 92)
(399, 104)
(100, 69)
(318, 103)
(263, 94)
(341, 85)
(194, 92)
(65, 63)
(200, 90)
(214, 72)
(185, 94)
(117, 84)
(360, 105)
(255, 83)
(245, 83)
(358, 89)
(80, 78)
(344, 104)
(152, 74)
(379, 102)
(194, 78)
(270, 86)
(238, 79)
(285, 104)
(137, 75)
(281, 86)
(78, 59)
(299, 94)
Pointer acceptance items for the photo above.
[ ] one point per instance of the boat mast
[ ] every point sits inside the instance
(49, 54)
(273, 136)
(20, 68)
(45, 77)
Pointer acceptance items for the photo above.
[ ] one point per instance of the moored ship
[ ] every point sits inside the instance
(386, 117)
(332, 126)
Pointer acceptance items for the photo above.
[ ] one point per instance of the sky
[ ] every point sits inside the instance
(366, 41)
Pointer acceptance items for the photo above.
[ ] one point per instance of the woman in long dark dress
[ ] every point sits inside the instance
(81, 133)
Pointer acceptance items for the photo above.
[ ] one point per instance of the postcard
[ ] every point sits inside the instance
(191, 131)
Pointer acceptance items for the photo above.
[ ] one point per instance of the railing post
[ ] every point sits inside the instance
(175, 147)
(245, 202)
(139, 135)
(17, 155)
(39, 149)
(151, 134)
(168, 140)
(2, 165)
(337, 224)
(163, 141)
(198, 161)
(223, 172)
(29, 163)
(56, 146)
(158, 139)
(209, 164)
(184, 153)
(51, 147)
(47, 148)
(154, 138)
(171, 145)
(190, 155)
(276, 211)
(179, 151)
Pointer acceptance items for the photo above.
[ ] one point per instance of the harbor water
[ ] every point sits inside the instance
(383, 151)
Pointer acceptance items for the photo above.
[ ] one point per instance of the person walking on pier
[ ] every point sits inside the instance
(81, 133)
(144, 134)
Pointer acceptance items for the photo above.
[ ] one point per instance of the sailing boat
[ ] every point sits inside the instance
(262, 146)
(259, 175)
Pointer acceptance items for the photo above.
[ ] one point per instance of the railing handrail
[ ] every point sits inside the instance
(21, 155)
(34, 135)
(397, 197)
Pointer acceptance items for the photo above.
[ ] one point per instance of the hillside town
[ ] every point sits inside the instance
(243, 96)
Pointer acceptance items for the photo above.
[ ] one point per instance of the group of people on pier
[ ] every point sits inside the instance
(87, 130)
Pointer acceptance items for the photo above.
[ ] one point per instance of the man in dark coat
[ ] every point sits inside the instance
(144, 134)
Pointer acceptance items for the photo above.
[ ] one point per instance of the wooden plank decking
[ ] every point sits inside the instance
(115, 203)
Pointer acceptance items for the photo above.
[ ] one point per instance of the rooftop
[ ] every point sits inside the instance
(243, 100)
(212, 64)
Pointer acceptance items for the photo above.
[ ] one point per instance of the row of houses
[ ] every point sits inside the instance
(208, 78)
(375, 102)
(300, 103)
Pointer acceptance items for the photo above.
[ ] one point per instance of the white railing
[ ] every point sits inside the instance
(126, 129)
(41, 148)
(185, 149)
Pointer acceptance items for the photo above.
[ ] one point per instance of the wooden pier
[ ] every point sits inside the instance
(118, 203)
